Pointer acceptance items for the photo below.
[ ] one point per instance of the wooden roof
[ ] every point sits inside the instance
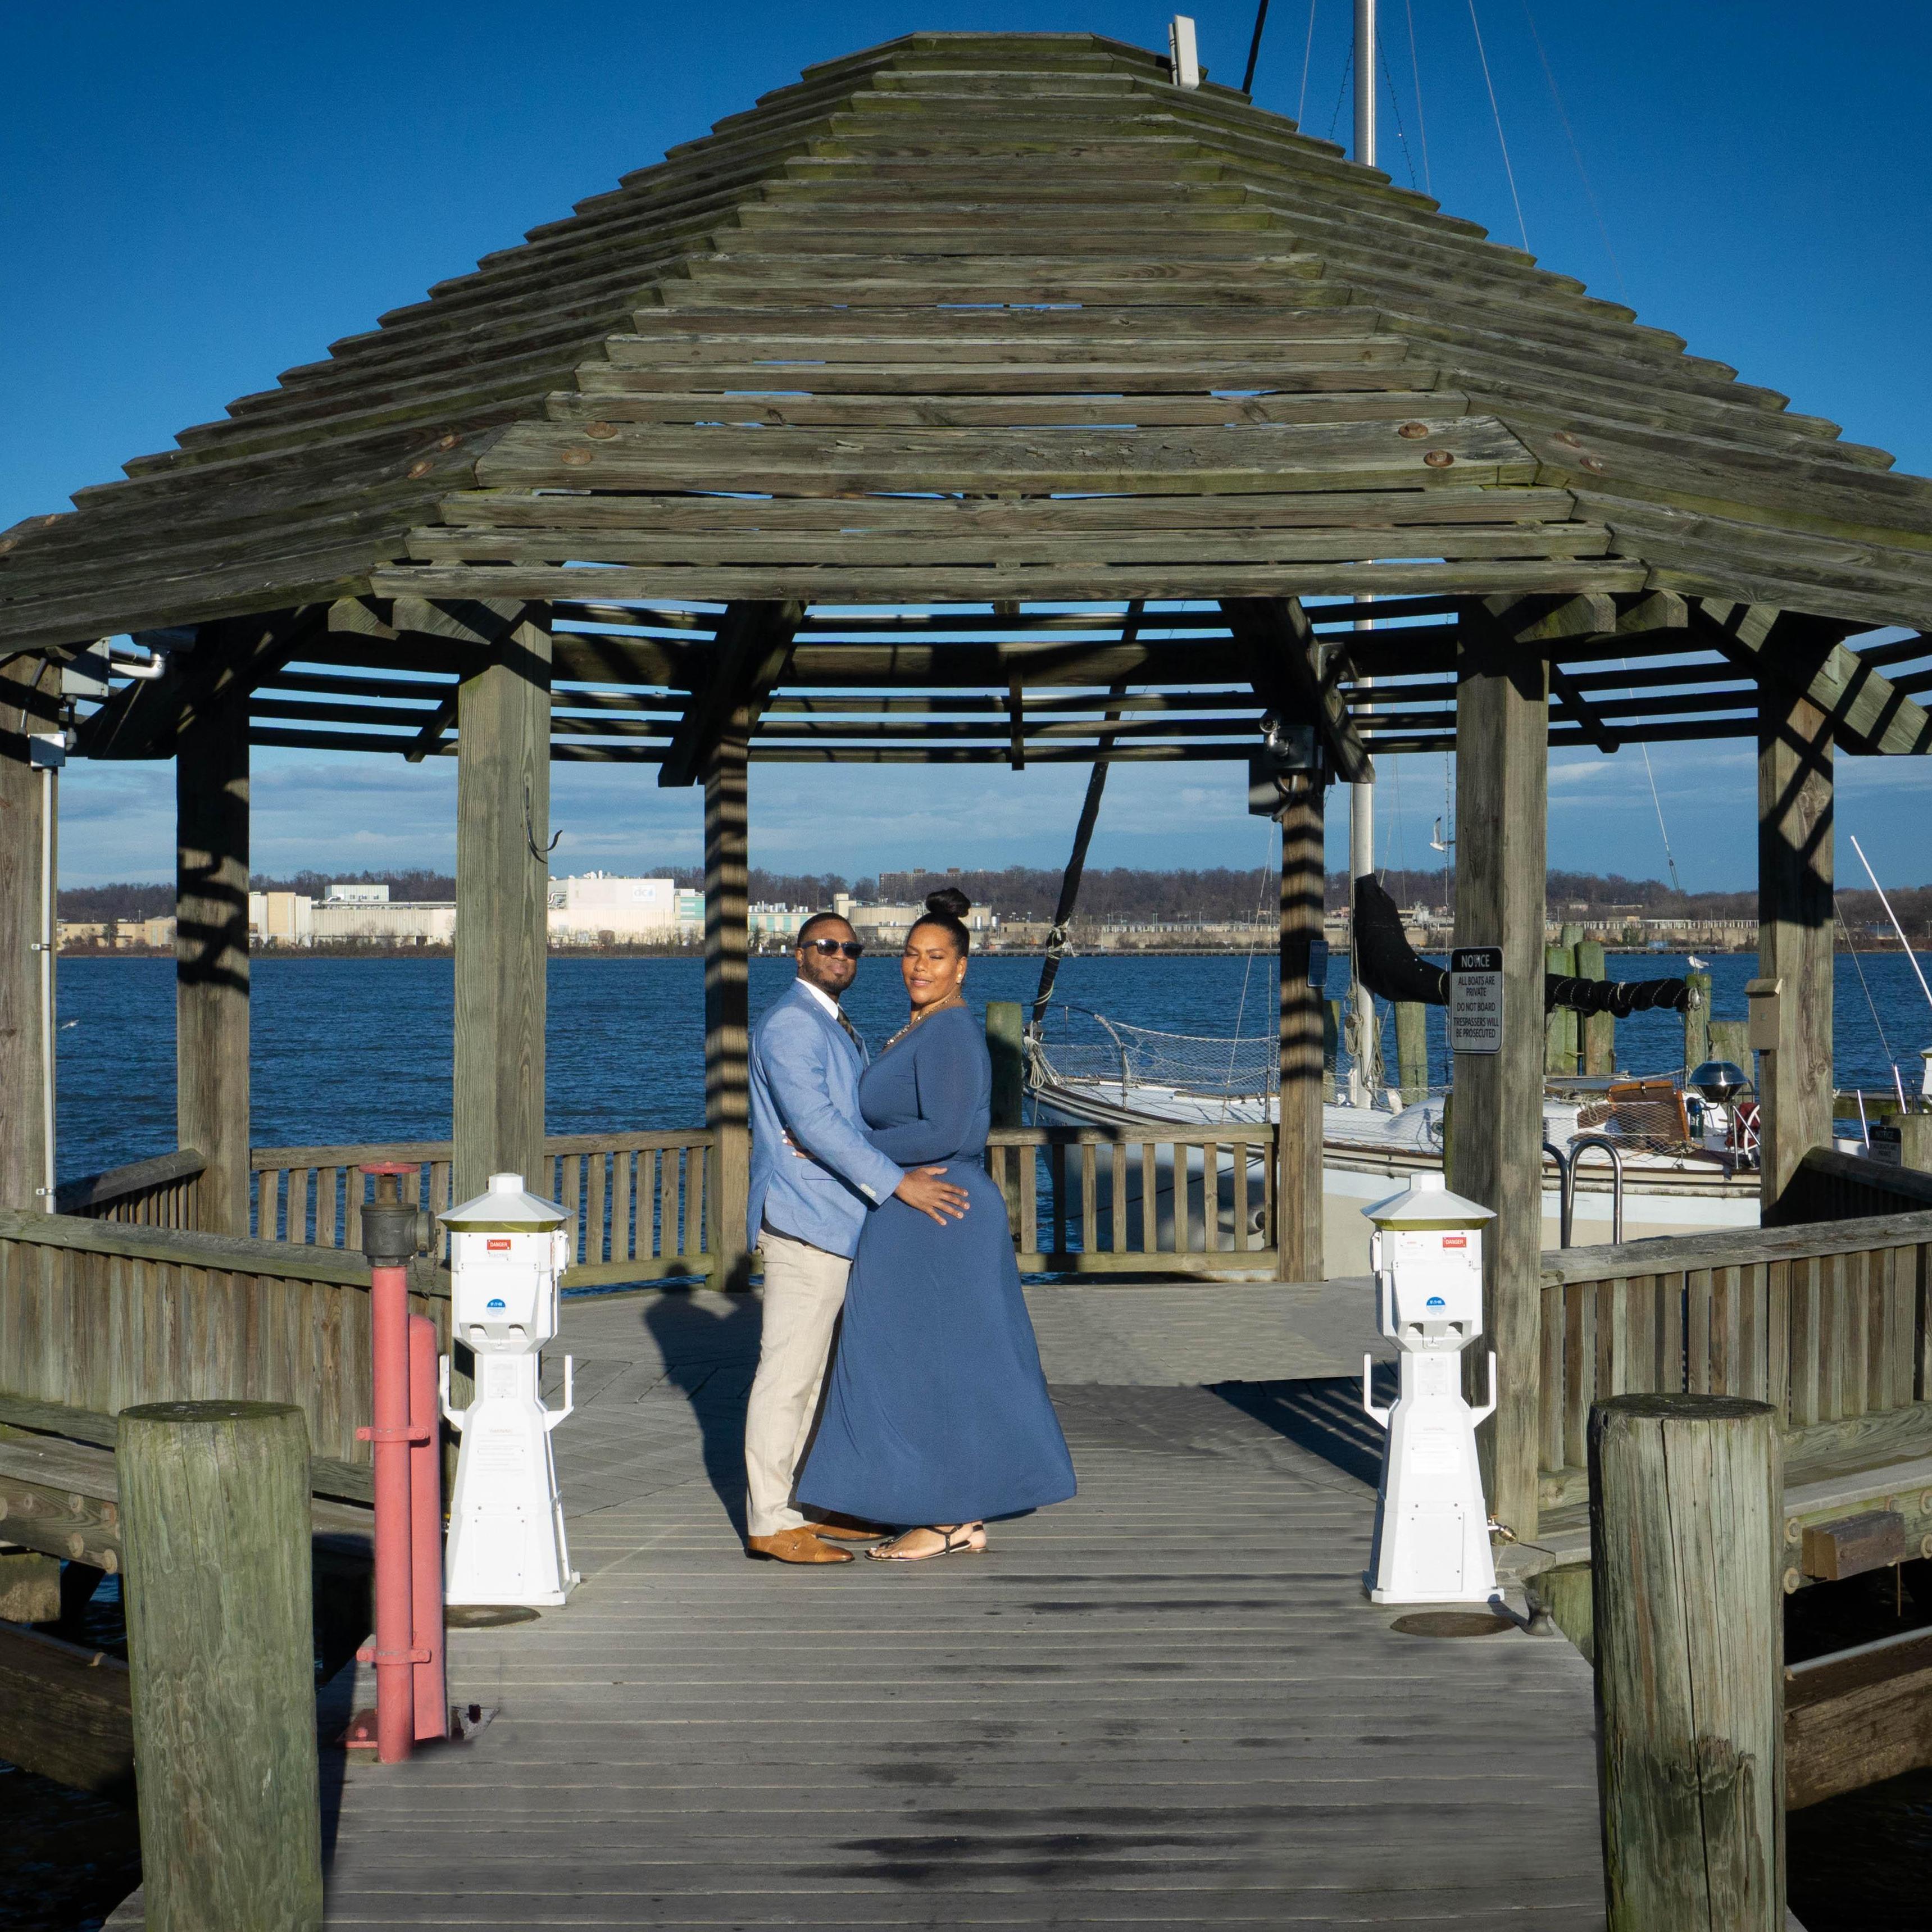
(995, 319)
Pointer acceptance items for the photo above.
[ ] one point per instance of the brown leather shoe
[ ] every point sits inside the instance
(849, 1529)
(795, 1546)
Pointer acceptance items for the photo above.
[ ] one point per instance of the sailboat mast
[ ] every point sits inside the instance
(1362, 797)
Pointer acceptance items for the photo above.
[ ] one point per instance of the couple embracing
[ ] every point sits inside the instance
(869, 1196)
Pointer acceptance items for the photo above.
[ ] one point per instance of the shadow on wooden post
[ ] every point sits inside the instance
(1686, 1522)
(215, 1527)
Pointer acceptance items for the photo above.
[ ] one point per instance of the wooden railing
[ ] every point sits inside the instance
(1827, 1322)
(157, 1193)
(97, 1316)
(1082, 1200)
(1829, 1186)
(639, 1202)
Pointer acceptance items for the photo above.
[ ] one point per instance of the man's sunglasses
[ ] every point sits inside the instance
(853, 949)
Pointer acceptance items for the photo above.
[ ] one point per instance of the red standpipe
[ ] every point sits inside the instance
(395, 1651)
(431, 1697)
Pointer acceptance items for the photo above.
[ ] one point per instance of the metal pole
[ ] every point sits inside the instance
(431, 1697)
(1362, 797)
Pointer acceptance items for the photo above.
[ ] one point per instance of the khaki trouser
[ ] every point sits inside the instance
(805, 1289)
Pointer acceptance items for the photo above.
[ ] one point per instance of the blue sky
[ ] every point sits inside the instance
(200, 197)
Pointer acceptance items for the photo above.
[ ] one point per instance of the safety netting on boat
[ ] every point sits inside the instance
(1089, 1065)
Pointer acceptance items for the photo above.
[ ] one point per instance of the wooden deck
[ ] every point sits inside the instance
(1165, 1703)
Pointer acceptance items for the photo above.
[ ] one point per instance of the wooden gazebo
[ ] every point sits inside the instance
(888, 422)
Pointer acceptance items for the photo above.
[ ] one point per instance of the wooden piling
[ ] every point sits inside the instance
(29, 702)
(1298, 1198)
(1411, 1050)
(727, 999)
(502, 917)
(1794, 938)
(215, 1530)
(211, 960)
(1559, 1023)
(1597, 1031)
(1006, 1042)
(1686, 1520)
(1730, 1039)
(1697, 1020)
(1496, 1133)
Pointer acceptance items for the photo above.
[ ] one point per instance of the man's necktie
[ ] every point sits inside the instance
(851, 1033)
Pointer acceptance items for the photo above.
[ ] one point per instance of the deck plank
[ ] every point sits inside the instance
(1166, 1703)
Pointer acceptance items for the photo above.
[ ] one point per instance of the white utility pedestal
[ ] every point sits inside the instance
(507, 1250)
(1432, 1526)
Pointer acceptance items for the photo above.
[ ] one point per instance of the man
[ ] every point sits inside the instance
(806, 1214)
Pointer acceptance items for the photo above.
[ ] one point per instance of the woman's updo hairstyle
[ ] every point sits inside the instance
(947, 909)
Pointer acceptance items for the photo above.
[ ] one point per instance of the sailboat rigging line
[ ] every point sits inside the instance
(1247, 971)
(1255, 47)
(1307, 55)
(1894, 917)
(1415, 68)
(1395, 108)
(1083, 834)
(1576, 152)
(1341, 94)
(1496, 114)
(1851, 947)
(1656, 803)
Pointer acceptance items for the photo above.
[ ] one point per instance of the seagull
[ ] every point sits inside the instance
(1697, 965)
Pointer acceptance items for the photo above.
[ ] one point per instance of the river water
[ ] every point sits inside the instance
(358, 1050)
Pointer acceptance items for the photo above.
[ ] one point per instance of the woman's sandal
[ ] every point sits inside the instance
(957, 1541)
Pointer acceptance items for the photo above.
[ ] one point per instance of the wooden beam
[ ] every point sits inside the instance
(502, 894)
(1580, 708)
(1294, 672)
(753, 642)
(29, 703)
(212, 956)
(1495, 1152)
(1299, 1229)
(64, 1713)
(147, 719)
(1794, 948)
(1803, 657)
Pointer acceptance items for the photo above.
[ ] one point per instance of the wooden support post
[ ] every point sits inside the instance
(1730, 1039)
(1006, 1042)
(1298, 1194)
(29, 702)
(503, 911)
(1599, 1030)
(212, 959)
(1794, 938)
(1495, 1134)
(1560, 1039)
(727, 998)
(1686, 1517)
(1411, 1050)
(215, 1535)
(1697, 1021)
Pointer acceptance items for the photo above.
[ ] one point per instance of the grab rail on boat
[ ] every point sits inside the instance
(1579, 1148)
(1566, 1192)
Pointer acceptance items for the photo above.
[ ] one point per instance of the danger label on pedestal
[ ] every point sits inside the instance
(1476, 999)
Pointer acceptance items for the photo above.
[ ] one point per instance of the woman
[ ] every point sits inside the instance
(937, 1415)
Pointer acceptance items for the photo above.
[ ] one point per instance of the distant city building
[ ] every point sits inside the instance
(341, 889)
(402, 922)
(285, 919)
(584, 910)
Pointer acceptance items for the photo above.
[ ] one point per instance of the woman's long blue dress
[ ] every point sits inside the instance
(936, 1410)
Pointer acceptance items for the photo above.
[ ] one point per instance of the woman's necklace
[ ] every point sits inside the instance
(920, 1019)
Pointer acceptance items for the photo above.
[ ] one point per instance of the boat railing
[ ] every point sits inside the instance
(639, 1202)
(1585, 1144)
(1192, 1200)
(1566, 1192)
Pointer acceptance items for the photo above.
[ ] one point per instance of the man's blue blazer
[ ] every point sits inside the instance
(804, 1082)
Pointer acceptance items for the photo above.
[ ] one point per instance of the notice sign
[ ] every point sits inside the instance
(1476, 999)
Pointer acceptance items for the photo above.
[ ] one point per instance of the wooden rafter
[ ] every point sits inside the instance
(1291, 669)
(754, 641)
